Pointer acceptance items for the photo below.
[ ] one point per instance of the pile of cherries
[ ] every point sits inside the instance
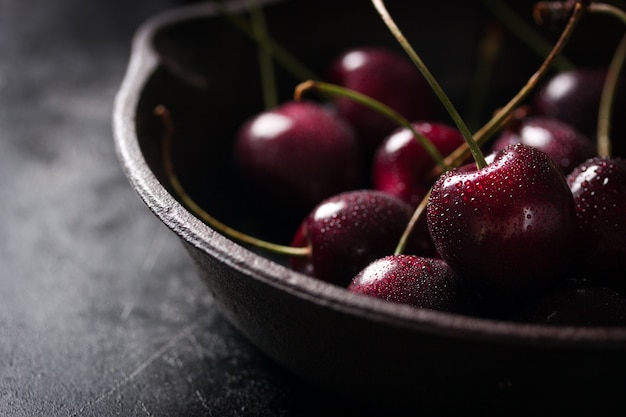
(538, 234)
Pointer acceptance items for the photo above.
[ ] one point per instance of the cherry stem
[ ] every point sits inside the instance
(605, 108)
(339, 91)
(163, 113)
(525, 32)
(598, 7)
(412, 222)
(502, 115)
(454, 114)
(266, 63)
(281, 54)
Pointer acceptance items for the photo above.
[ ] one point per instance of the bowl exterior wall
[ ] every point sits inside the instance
(383, 364)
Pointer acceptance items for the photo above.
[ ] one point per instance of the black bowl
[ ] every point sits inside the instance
(204, 70)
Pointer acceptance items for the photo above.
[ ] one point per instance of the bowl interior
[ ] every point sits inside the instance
(207, 76)
(205, 71)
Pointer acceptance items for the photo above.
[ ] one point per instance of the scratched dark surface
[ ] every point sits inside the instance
(101, 311)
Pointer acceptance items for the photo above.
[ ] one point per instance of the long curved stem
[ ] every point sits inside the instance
(599, 7)
(280, 53)
(162, 112)
(495, 123)
(607, 97)
(266, 62)
(454, 114)
(605, 108)
(391, 114)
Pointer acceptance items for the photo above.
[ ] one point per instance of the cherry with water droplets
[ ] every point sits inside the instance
(599, 189)
(413, 280)
(506, 227)
(567, 146)
(348, 231)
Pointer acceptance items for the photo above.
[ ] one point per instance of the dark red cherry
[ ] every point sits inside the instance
(298, 154)
(348, 231)
(413, 280)
(599, 189)
(401, 165)
(577, 302)
(386, 76)
(506, 227)
(574, 97)
(559, 140)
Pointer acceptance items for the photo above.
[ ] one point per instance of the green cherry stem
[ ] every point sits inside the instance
(443, 97)
(334, 90)
(495, 123)
(163, 113)
(269, 44)
(599, 7)
(266, 62)
(417, 214)
(605, 108)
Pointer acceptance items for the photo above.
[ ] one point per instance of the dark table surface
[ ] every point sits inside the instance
(101, 311)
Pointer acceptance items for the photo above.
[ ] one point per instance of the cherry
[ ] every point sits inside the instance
(413, 280)
(559, 140)
(401, 166)
(348, 231)
(577, 302)
(298, 154)
(574, 97)
(506, 227)
(386, 76)
(599, 189)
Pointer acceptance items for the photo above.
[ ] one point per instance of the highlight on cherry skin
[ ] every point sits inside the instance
(348, 231)
(573, 97)
(599, 189)
(401, 166)
(298, 153)
(563, 143)
(387, 76)
(413, 280)
(505, 228)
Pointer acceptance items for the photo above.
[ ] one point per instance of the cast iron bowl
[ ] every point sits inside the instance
(205, 72)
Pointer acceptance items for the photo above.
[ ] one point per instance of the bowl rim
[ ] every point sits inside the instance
(143, 62)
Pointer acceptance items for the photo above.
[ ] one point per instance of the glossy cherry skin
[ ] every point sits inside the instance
(506, 227)
(559, 140)
(574, 97)
(386, 76)
(298, 154)
(576, 302)
(599, 189)
(413, 280)
(348, 231)
(402, 166)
